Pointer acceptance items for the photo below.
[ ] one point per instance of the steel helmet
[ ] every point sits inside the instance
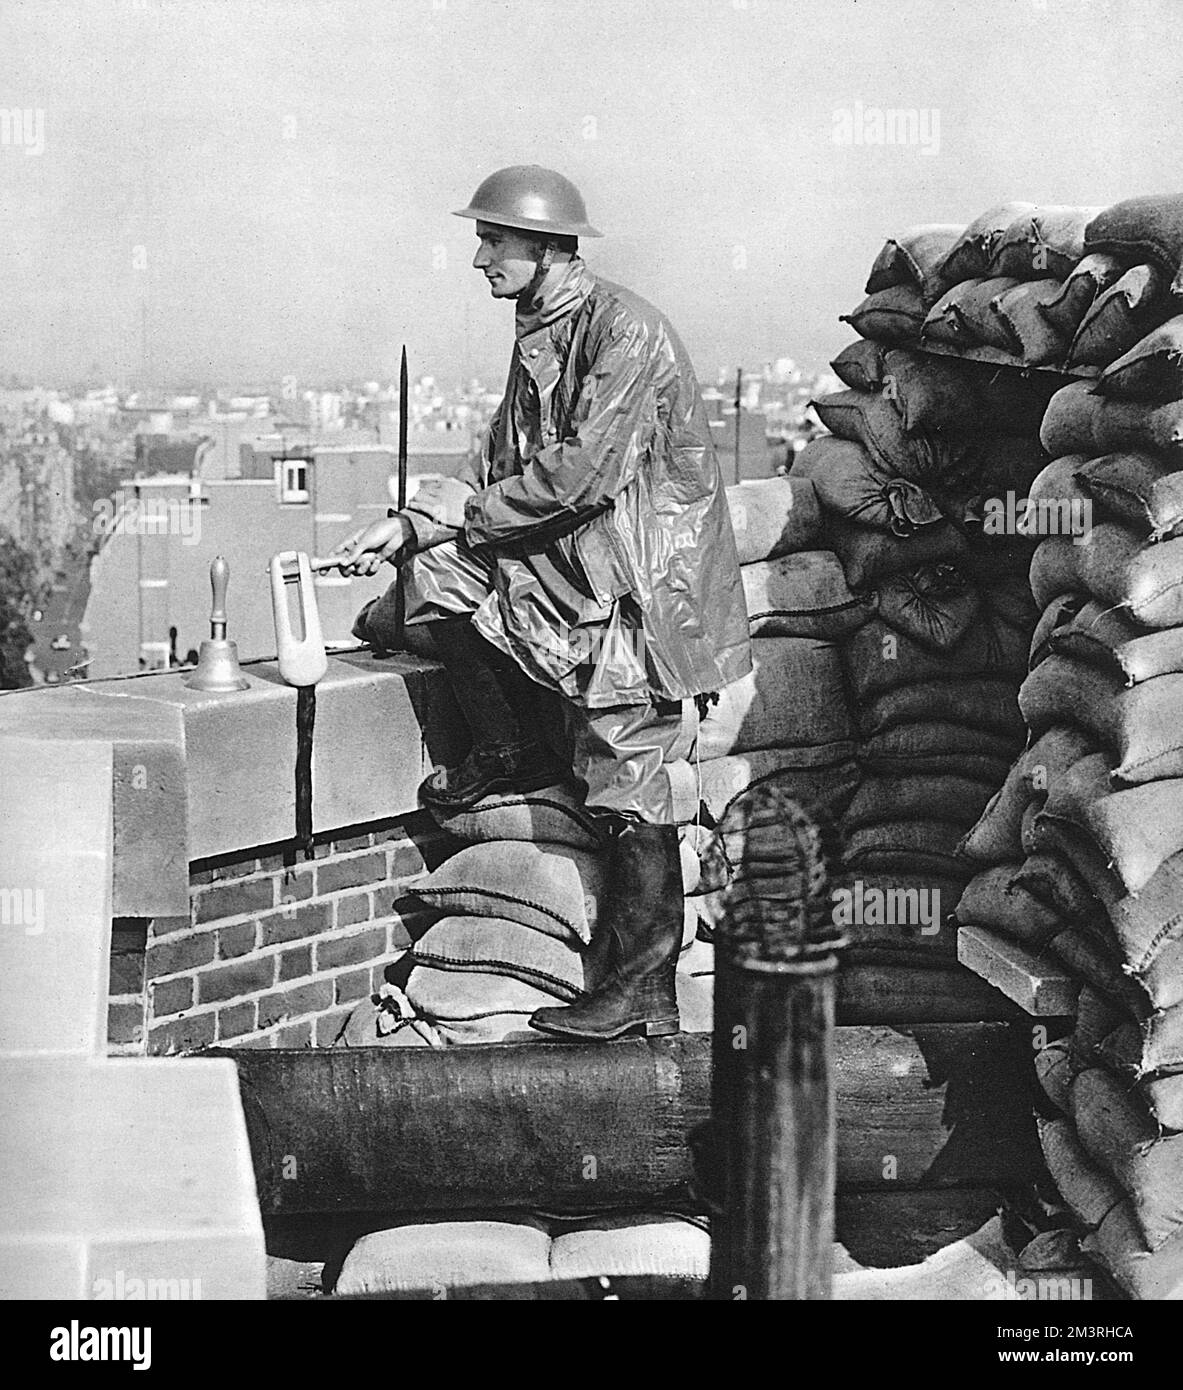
(531, 199)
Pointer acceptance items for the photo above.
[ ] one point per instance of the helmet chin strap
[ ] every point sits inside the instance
(545, 261)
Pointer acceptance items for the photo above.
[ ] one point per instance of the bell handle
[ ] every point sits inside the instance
(219, 578)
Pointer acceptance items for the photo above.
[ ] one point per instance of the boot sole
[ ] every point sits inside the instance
(647, 1028)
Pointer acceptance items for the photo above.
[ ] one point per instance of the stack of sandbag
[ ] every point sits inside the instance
(1082, 850)
(789, 719)
(1050, 286)
(1113, 1141)
(513, 929)
(913, 483)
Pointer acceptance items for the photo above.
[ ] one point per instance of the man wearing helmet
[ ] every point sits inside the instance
(589, 557)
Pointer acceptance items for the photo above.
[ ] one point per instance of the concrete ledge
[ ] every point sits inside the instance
(1039, 987)
(196, 775)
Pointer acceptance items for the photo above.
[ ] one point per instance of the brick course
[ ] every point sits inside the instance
(277, 949)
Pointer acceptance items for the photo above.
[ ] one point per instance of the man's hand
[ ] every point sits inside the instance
(442, 500)
(364, 552)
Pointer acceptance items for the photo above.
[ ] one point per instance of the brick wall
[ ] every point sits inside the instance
(276, 949)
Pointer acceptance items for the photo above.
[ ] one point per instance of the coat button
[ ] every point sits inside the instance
(533, 352)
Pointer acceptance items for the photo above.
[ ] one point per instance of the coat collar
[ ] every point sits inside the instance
(559, 294)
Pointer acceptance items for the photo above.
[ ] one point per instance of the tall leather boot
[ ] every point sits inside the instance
(643, 920)
(497, 700)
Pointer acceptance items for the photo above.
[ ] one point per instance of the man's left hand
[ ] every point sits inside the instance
(441, 500)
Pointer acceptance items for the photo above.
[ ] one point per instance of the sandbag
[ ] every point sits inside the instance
(932, 395)
(940, 745)
(1113, 565)
(873, 421)
(868, 555)
(774, 516)
(1151, 371)
(996, 837)
(949, 798)
(1096, 1017)
(919, 844)
(1055, 881)
(498, 946)
(893, 315)
(1062, 839)
(1118, 1247)
(1082, 285)
(1047, 241)
(934, 605)
(437, 1255)
(1085, 1187)
(913, 258)
(1059, 614)
(1027, 332)
(794, 696)
(803, 595)
(1145, 228)
(1149, 931)
(861, 365)
(1121, 1051)
(878, 659)
(1136, 828)
(851, 483)
(1049, 757)
(1124, 1141)
(994, 899)
(1080, 951)
(1120, 316)
(972, 253)
(1162, 1040)
(550, 888)
(455, 996)
(622, 1244)
(1053, 1068)
(989, 705)
(1105, 637)
(964, 317)
(1137, 490)
(554, 815)
(1078, 421)
(1139, 725)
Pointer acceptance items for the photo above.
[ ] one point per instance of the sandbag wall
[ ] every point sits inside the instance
(1081, 852)
(933, 444)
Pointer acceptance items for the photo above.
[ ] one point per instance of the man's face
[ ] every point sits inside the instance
(508, 259)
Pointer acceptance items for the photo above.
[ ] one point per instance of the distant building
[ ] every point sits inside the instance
(152, 570)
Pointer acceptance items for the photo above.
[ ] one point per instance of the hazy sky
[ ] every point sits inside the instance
(263, 186)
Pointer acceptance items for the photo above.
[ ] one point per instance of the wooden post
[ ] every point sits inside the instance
(772, 1133)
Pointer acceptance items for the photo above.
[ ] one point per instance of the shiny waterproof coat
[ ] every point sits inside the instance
(601, 510)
